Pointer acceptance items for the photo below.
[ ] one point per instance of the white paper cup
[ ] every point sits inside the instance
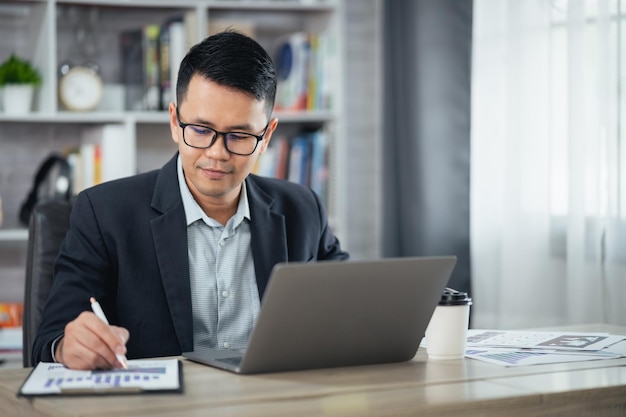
(446, 334)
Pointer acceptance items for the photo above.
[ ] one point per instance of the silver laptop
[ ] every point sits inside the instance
(331, 314)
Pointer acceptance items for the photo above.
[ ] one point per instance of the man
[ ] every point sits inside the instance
(179, 258)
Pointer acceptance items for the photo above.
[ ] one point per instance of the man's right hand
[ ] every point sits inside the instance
(89, 343)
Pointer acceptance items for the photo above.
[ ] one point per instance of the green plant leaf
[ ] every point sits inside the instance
(18, 71)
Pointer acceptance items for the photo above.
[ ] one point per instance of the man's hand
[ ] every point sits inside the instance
(89, 343)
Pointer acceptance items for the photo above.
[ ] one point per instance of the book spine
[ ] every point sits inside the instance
(292, 70)
(88, 158)
(11, 314)
(76, 170)
(165, 85)
(319, 164)
(132, 67)
(327, 50)
(299, 166)
(282, 160)
(97, 164)
(151, 96)
(177, 51)
(313, 73)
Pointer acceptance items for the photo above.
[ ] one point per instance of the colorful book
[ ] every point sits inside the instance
(299, 160)
(11, 314)
(140, 67)
(292, 69)
(319, 163)
(172, 41)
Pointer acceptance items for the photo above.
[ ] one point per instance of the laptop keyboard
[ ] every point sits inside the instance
(234, 360)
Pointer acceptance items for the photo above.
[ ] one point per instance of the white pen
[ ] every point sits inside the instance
(95, 306)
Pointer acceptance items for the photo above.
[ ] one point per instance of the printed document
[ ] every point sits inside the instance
(519, 348)
(141, 376)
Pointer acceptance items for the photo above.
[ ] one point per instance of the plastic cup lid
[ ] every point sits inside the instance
(451, 297)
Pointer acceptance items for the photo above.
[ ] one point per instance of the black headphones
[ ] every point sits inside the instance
(55, 171)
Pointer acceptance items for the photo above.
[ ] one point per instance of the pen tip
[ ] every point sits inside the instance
(92, 300)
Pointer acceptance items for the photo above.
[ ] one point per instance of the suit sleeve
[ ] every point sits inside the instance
(329, 247)
(80, 272)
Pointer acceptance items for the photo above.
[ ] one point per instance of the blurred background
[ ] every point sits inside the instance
(486, 129)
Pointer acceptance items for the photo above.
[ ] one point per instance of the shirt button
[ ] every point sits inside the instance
(224, 294)
(222, 243)
(226, 345)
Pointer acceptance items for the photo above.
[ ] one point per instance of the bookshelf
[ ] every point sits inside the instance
(51, 32)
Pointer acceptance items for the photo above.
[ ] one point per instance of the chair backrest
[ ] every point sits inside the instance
(47, 227)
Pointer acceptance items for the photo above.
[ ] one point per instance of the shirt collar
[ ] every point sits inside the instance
(193, 211)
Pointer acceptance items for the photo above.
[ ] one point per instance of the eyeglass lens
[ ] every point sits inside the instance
(203, 137)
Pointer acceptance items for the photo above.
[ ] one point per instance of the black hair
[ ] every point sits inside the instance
(233, 60)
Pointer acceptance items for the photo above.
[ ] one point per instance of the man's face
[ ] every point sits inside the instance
(214, 175)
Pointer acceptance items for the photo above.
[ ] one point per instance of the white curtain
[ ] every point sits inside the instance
(548, 191)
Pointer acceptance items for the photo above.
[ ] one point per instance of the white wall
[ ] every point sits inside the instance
(363, 104)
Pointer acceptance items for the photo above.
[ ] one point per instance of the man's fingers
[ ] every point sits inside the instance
(83, 346)
(78, 356)
(89, 343)
(112, 336)
(123, 334)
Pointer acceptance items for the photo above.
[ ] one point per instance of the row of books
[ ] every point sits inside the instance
(101, 156)
(304, 63)
(302, 159)
(85, 166)
(151, 55)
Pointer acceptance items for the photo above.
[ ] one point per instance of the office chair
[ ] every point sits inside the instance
(46, 230)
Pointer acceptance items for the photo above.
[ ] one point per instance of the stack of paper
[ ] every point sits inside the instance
(517, 348)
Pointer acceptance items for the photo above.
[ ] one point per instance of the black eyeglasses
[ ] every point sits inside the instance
(203, 137)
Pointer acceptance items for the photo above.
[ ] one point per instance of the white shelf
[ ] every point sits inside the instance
(285, 5)
(13, 235)
(64, 117)
(319, 116)
(282, 5)
(131, 3)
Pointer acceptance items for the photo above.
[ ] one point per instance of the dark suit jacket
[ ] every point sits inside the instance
(127, 246)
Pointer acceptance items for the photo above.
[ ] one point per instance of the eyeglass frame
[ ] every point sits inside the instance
(259, 138)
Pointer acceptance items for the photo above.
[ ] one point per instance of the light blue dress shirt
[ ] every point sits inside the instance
(224, 295)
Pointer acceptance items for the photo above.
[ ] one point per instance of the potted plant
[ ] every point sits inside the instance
(18, 79)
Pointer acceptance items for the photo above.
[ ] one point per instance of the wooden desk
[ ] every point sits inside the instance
(419, 387)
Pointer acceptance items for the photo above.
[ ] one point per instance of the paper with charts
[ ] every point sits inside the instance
(518, 348)
(141, 376)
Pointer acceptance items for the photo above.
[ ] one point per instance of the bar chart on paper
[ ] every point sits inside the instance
(142, 375)
(121, 378)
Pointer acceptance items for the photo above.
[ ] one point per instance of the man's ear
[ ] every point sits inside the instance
(271, 127)
(174, 128)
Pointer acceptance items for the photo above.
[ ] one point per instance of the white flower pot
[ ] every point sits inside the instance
(17, 98)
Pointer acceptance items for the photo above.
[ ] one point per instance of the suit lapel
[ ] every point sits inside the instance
(268, 234)
(169, 231)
